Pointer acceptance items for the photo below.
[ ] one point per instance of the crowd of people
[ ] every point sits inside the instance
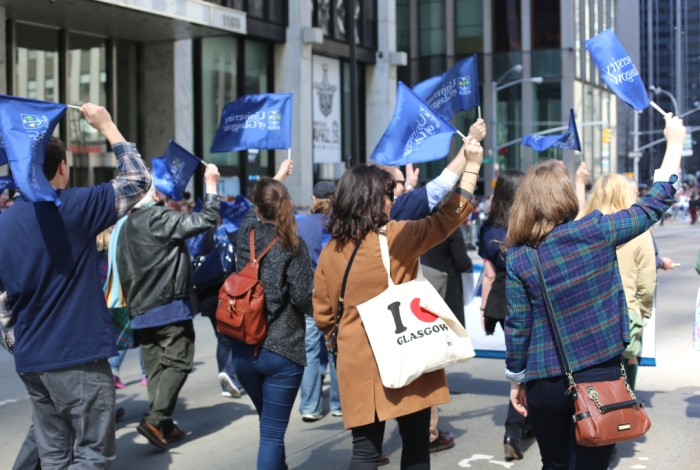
(113, 261)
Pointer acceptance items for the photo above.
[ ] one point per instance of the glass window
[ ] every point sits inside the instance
(469, 28)
(431, 27)
(545, 24)
(36, 63)
(339, 23)
(256, 8)
(546, 63)
(87, 83)
(547, 113)
(506, 25)
(257, 79)
(219, 86)
(509, 127)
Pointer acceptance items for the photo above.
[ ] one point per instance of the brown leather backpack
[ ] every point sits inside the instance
(241, 310)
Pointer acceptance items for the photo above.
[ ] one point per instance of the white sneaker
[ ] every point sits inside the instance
(230, 386)
(308, 418)
(337, 413)
(226, 394)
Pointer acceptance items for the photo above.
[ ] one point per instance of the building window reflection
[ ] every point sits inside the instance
(545, 24)
(506, 25)
(469, 27)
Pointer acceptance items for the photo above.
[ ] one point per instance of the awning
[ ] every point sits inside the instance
(133, 20)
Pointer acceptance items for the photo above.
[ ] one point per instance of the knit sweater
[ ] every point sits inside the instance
(288, 282)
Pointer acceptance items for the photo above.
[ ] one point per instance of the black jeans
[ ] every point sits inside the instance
(550, 410)
(415, 436)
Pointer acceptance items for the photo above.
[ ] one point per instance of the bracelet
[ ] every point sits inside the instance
(471, 172)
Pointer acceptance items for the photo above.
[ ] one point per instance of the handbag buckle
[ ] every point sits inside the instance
(593, 395)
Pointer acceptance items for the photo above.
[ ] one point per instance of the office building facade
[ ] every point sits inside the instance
(165, 70)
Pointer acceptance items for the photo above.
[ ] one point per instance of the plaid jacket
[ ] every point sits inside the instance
(579, 265)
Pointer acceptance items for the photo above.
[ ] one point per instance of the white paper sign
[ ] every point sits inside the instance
(326, 114)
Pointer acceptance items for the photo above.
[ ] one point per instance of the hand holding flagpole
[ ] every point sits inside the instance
(658, 108)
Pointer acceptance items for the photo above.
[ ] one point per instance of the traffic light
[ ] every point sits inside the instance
(607, 135)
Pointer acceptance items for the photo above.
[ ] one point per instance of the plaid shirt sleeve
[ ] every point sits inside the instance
(627, 224)
(518, 323)
(6, 330)
(133, 178)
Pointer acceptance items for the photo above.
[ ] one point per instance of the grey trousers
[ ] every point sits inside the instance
(73, 415)
(28, 456)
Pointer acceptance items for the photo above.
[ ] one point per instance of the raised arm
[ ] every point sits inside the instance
(627, 224)
(581, 179)
(133, 178)
(418, 237)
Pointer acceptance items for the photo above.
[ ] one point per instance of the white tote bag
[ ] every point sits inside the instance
(411, 329)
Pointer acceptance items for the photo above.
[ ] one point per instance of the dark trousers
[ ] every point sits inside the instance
(224, 355)
(415, 436)
(73, 416)
(515, 422)
(168, 353)
(549, 412)
(272, 382)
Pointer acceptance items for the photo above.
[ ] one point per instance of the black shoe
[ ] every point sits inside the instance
(527, 432)
(512, 449)
(119, 414)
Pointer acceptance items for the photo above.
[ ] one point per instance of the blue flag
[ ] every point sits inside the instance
(569, 140)
(26, 127)
(617, 70)
(255, 122)
(416, 133)
(455, 90)
(6, 182)
(173, 171)
(232, 213)
(198, 206)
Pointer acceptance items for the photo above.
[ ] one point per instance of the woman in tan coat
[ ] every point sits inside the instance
(360, 208)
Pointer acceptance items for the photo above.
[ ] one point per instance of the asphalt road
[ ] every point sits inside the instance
(223, 432)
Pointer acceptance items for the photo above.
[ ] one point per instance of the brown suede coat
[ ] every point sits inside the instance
(362, 394)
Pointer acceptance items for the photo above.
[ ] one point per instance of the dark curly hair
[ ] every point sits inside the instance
(358, 205)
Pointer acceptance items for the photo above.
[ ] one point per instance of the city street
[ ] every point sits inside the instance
(223, 432)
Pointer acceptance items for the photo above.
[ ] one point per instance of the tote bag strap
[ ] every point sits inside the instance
(384, 248)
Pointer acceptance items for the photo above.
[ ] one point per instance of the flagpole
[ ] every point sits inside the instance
(478, 110)
(658, 108)
(73, 106)
(289, 153)
(463, 136)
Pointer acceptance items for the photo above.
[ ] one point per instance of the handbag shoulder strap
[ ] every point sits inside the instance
(347, 273)
(550, 313)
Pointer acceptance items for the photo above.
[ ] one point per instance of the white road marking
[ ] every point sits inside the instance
(642, 458)
(465, 463)
(7, 402)
(638, 466)
(504, 464)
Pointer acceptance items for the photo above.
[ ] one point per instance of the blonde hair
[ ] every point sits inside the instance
(319, 205)
(545, 199)
(103, 240)
(611, 193)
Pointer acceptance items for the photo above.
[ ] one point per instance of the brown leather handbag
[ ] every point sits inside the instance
(606, 412)
(241, 310)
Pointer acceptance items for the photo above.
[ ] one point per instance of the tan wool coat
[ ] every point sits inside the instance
(362, 394)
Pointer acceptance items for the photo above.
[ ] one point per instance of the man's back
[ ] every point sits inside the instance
(48, 267)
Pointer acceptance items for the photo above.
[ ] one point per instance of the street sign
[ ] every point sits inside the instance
(688, 146)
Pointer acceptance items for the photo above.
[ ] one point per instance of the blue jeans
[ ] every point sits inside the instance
(311, 383)
(115, 362)
(272, 382)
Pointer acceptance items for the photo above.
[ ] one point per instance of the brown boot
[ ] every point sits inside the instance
(444, 441)
(153, 434)
(176, 434)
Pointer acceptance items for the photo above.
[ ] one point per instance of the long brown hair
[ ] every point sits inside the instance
(545, 199)
(274, 203)
(358, 205)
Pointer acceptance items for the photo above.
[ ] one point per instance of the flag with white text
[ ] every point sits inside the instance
(455, 90)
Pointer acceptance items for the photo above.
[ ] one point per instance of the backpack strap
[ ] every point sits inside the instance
(252, 247)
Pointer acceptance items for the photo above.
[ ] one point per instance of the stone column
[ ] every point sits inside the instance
(527, 87)
(380, 78)
(293, 74)
(166, 96)
(568, 77)
(487, 110)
